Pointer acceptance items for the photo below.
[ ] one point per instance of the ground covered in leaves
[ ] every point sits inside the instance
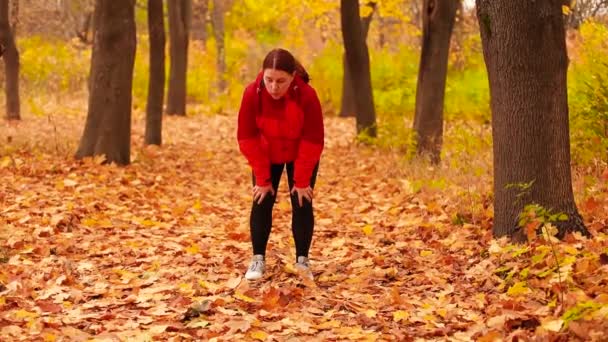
(157, 250)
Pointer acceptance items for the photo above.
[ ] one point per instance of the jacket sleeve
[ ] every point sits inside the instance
(311, 142)
(249, 138)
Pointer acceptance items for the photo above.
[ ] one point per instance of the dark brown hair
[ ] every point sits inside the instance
(281, 59)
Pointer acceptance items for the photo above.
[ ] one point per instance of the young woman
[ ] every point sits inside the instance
(280, 126)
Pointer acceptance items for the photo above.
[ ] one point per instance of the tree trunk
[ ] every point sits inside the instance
(11, 64)
(200, 18)
(156, 85)
(217, 19)
(357, 57)
(348, 99)
(529, 102)
(108, 127)
(437, 24)
(179, 27)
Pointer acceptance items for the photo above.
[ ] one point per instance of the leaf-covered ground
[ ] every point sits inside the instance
(157, 250)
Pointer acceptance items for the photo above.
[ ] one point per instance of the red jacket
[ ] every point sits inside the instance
(280, 131)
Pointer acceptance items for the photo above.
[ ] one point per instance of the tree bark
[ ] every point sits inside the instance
(529, 102)
(348, 99)
(179, 27)
(357, 57)
(156, 85)
(217, 19)
(11, 64)
(200, 18)
(108, 126)
(437, 23)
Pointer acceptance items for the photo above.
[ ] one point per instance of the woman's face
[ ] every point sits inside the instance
(277, 82)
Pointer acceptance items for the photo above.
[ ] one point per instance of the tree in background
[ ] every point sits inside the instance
(179, 31)
(217, 20)
(357, 57)
(347, 107)
(108, 126)
(437, 24)
(200, 18)
(11, 64)
(156, 84)
(529, 102)
(581, 10)
(77, 16)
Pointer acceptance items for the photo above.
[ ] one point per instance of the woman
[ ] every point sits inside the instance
(280, 126)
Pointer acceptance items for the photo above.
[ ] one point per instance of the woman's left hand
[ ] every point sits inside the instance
(302, 193)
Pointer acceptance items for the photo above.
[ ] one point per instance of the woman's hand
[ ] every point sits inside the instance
(302, 193)
(260, 192)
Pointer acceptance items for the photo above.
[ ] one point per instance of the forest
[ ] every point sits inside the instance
(461, 193)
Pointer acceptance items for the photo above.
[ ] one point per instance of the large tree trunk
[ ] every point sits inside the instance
(357, 57)
(217, 19)
(437, 24)
(529, 111)
(108, 127)
(11, 64)
(179, 28)
(348, 98)
(156, 85)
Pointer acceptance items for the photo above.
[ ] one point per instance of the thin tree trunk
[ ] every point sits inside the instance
(217, 18)
(529, 104)
(348, 99)
(437, 24)
(179, 27)
(357, 57)
(156, 85)
(108, 127)
(200, 18)
(11, 64)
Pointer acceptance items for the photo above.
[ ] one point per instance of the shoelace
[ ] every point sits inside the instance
(255, 266)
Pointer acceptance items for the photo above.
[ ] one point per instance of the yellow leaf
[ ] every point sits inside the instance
(332, 324)
(2, 301)
(197, 324)
(368, 230)
(442, 312)
(197, 204)
(21, 314)
(426, 253)
(149, 223)
(48, 337)
(566, 10)
(193, 249)
(284, 206)
(518, 289)
(370, 313)
(89, 222)
(259, 335)
(244, 298)
(554, 326)
(6, 161)
(211, 286)
(400, 315)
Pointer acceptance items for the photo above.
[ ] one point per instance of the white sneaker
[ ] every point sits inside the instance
(256, 268)
(303, 267)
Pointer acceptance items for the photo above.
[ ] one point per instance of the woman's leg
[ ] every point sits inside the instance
(260, 222)
(302, 218)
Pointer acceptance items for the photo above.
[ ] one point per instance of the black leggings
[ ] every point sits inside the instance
(302, 218)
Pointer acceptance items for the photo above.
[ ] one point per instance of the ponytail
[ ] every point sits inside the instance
(300, 71)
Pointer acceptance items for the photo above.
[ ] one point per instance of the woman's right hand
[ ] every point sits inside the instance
(260, 192)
